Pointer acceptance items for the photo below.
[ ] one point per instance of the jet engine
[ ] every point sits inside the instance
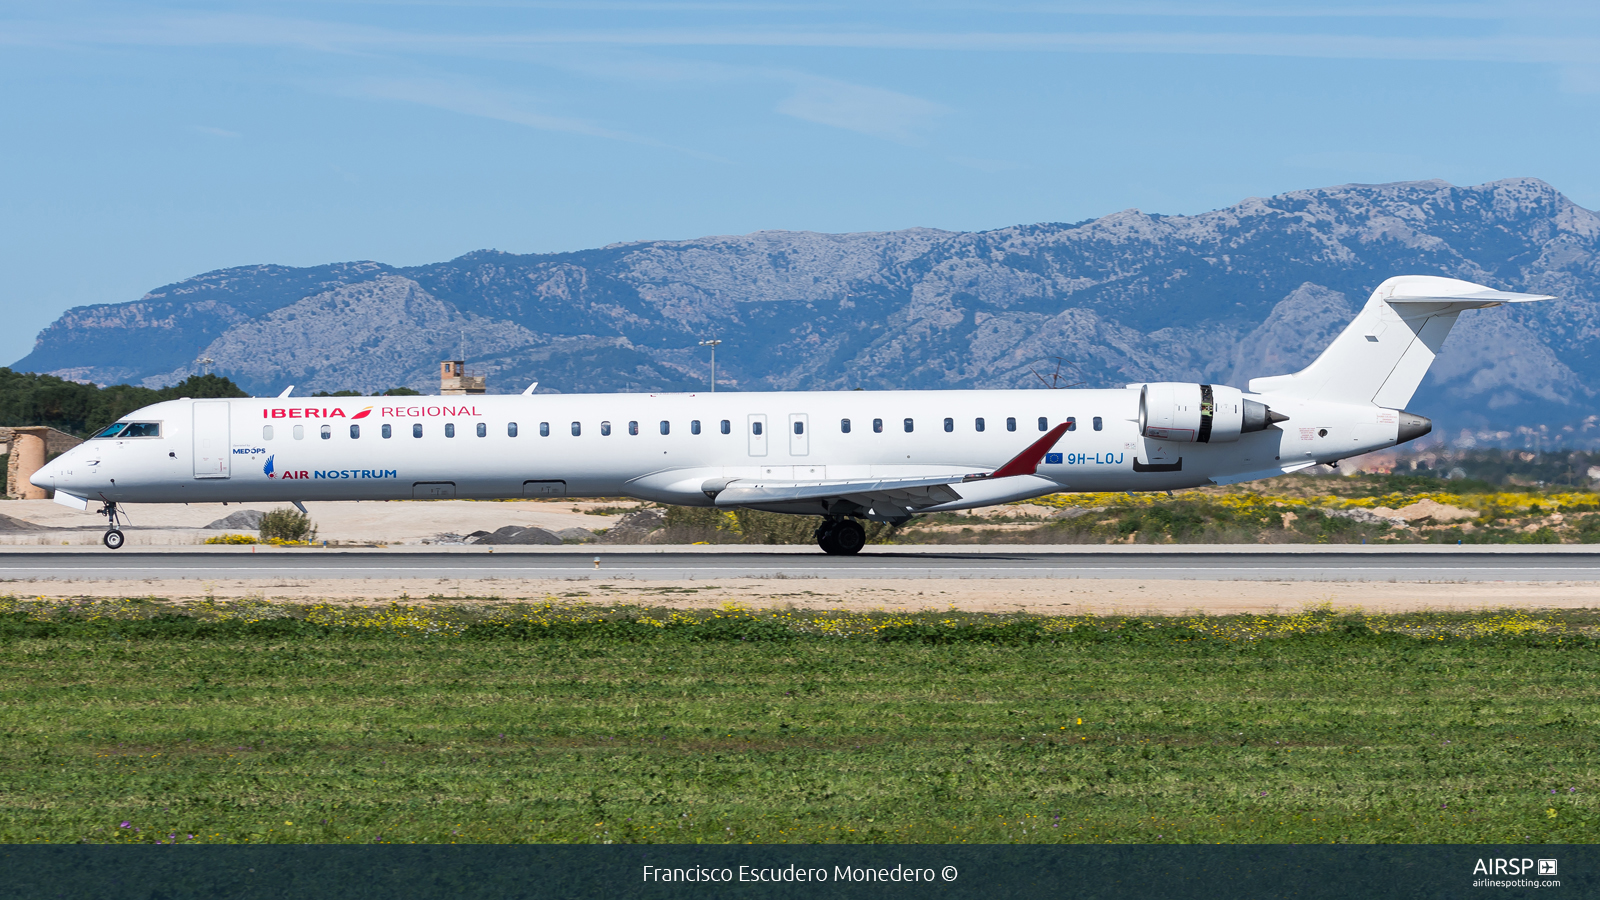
(1200, 413)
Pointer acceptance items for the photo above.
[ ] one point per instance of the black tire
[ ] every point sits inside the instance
(825, 538)
(849, 537)
(113, 539)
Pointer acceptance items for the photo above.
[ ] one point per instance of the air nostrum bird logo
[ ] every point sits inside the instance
(267, 469)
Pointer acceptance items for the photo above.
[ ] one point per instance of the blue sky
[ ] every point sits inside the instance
(146, 142)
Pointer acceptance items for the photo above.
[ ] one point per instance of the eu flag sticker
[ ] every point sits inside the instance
(1052, 459)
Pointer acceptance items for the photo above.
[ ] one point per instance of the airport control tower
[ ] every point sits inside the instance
(453, 379)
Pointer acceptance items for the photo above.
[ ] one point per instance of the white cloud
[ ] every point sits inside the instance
(1557, 42)
(1581, 79)
(872, 111)
(471, 99)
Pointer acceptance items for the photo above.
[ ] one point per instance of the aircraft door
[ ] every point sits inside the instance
(758, 434)
(211, 439)
(799, 434)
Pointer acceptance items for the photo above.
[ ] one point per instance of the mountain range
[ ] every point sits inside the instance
(1257, 288)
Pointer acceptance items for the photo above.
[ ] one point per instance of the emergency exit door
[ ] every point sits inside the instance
(211, 441)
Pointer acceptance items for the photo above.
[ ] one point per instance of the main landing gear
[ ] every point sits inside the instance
(113, 537)
(841, 537)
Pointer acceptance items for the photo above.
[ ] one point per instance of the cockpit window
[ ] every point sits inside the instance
(131, 430)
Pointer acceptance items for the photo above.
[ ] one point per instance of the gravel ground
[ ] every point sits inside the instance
(388, 522)
(1047, 596)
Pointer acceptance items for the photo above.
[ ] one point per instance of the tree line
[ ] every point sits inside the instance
(28, 398)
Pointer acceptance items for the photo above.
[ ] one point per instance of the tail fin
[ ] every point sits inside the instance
(1383, 355)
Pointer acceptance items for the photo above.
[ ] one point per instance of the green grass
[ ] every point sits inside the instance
(407, 725)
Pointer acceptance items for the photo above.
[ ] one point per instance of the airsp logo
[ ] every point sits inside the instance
(1512, 867)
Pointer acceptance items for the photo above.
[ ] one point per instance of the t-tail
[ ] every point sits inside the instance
(1382, 356)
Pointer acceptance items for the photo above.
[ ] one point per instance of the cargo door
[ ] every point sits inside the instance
(212, 443)
(758, 434)
(545, 489)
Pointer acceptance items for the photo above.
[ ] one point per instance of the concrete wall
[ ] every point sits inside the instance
(28, 448)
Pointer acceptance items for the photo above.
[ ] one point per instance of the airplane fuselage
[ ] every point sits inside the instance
(667, 447)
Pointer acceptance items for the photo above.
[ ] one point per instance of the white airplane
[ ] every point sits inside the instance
(844, 455)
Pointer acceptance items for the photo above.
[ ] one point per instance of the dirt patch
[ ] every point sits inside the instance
(1044, 596)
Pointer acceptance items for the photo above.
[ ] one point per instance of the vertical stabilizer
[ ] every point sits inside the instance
(1383, 355)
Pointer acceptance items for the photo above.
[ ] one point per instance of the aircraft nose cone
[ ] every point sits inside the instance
(46, 476)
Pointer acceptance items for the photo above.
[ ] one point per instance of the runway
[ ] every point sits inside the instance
(1210, 563)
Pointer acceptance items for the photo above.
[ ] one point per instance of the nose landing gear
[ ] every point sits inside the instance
(113, 537)
(841, 537)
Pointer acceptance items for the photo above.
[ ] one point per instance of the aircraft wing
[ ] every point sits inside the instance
(884, 499)
(909, 493)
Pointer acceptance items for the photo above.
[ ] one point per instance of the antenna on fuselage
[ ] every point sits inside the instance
(286, 391)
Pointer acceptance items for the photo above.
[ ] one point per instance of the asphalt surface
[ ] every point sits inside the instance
(1219, 563)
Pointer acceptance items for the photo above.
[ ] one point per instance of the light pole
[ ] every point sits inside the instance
(713, 345)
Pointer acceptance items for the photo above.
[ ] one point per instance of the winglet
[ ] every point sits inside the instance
(1027, 462)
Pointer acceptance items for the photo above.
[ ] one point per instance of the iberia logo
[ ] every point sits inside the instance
(363, 414)
(267, 469)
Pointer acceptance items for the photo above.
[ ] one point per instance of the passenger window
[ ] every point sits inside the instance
(909, 426)
(450, 429)
(1044, 424)
(977, 424)
(355, 431)
(877, 426)
(327, 431)
(387, 432)
(1011, 423)
(483, 429)
(605, 429)
(666, 427)
(416, 429)
(844, 426)
(799, 428)
(949, 424)
(727, 427)
(266, 432)
(116, 429)
(755, 427)
(1097, 423)
(633, 427)
(511, 429)
(299, 432)
(577, 429)
(544, 429)
(1072, 423)
(694, 426)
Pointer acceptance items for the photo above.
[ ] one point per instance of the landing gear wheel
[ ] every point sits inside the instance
(113, 539)
(846, 539)
(825, 537)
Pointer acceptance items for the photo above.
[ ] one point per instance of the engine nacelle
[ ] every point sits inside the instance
(1200, 413)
